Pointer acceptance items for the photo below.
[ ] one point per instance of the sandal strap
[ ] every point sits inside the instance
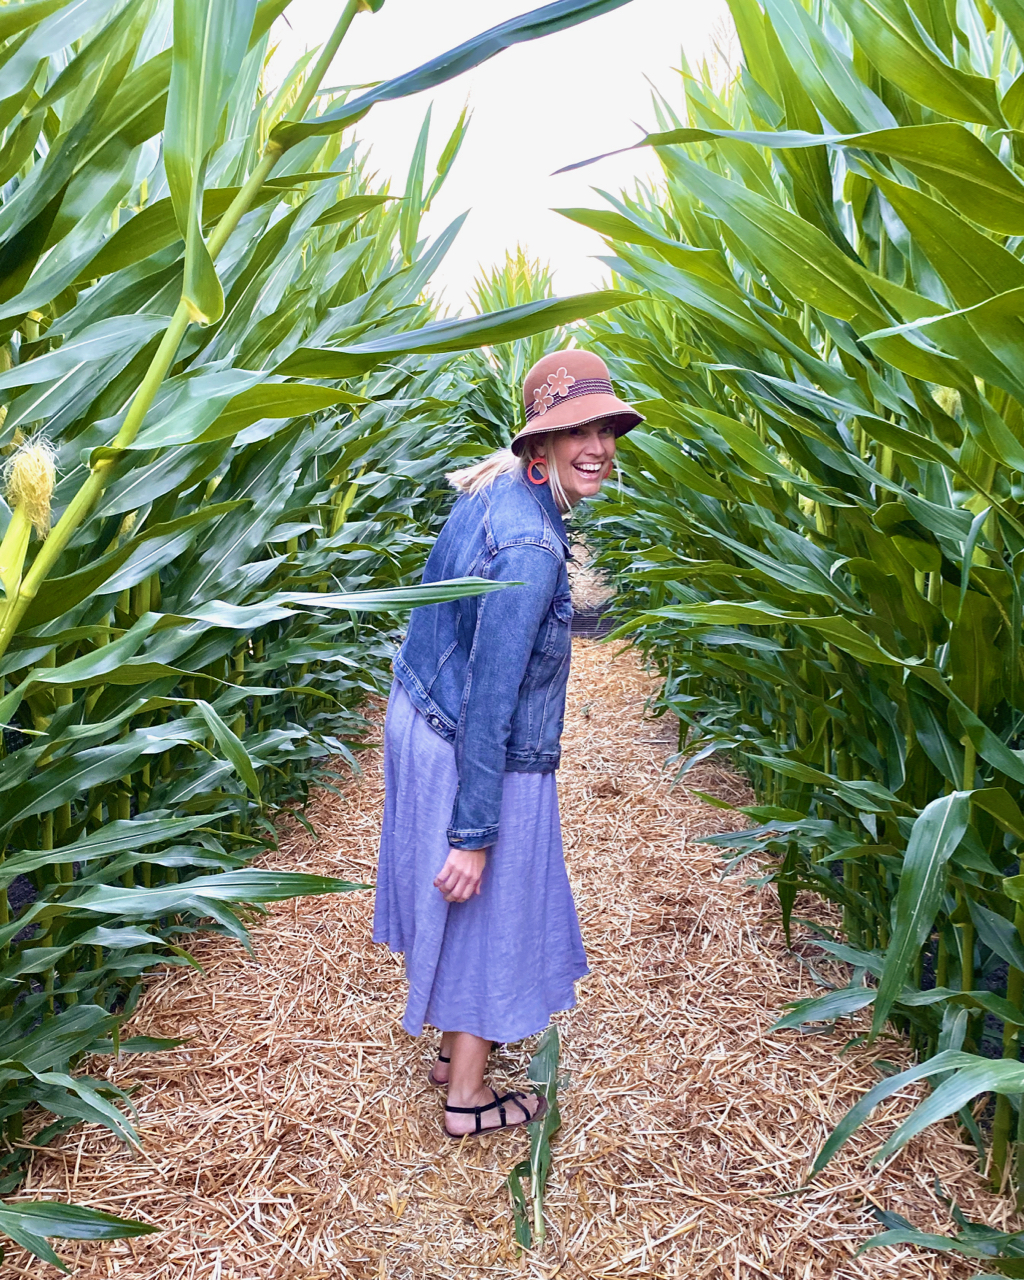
(514, 1097)
(442, 1058)
(477, 1111)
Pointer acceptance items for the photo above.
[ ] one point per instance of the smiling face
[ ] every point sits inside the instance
(583, 457)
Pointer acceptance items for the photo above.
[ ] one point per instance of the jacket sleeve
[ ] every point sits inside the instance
(507, 625)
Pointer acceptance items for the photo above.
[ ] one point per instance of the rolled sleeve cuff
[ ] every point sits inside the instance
(470, 839)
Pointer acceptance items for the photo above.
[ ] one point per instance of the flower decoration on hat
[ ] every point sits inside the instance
(560, 382)
(542, 399)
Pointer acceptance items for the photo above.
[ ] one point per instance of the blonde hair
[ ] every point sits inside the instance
(473, 479)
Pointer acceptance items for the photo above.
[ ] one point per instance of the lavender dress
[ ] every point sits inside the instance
(500, 964)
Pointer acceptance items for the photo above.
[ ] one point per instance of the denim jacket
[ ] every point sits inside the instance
(489, 672)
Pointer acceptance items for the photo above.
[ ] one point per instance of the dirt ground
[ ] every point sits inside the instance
(295, 1136)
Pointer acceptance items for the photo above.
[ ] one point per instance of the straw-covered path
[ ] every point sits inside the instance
(295, 1135)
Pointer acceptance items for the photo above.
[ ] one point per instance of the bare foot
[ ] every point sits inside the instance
(520, 1108)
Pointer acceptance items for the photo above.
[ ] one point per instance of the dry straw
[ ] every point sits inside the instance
(295, 1137)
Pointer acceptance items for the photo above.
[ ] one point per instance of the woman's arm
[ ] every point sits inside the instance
(506, 631)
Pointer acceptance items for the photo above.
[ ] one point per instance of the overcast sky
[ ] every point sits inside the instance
(536, 107)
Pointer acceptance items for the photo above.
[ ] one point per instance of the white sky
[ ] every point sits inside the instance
(536, 107)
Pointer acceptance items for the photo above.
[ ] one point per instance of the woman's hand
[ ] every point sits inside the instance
(461, 874)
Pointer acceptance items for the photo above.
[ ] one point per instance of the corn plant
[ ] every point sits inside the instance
(226, 406)
(32, 1223)
(528, 1208)
(493, 379)
(819, 532)
(1001, 1249)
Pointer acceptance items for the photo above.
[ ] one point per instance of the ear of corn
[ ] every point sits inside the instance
(819, 532)
(220, 370)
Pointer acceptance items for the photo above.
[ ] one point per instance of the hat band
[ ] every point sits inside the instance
(580, 387)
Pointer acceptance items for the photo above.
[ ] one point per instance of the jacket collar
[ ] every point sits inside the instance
(542, 494)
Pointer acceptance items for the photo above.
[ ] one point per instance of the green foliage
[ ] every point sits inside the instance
(31, 1224)
(528, 1211)
(517, 282)
(1001, 1250)
(819, 533)
(526, 26)
(220, 369)
(496, 374)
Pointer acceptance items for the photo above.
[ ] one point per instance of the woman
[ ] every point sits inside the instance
(472, 885)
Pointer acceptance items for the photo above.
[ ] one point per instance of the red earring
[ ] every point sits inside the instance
(541, 478)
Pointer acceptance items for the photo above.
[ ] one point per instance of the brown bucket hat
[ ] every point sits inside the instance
(567, 389)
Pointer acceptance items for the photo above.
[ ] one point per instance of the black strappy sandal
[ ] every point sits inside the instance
(480, 1131)
(431, 1079)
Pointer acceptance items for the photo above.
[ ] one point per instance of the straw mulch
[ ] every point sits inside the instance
(296, 1137)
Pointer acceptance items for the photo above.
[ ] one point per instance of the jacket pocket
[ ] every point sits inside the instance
(559, 626)
(440, 664)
